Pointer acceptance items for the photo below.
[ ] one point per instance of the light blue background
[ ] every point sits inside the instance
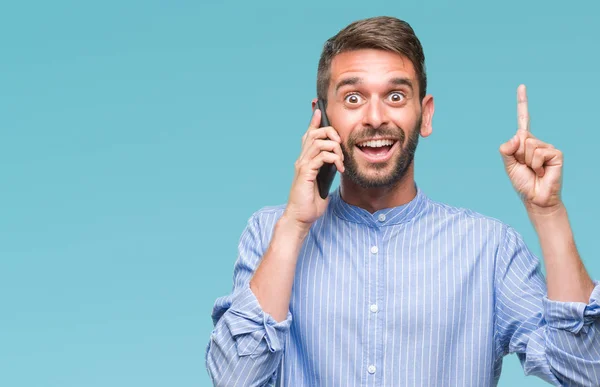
(136, 138)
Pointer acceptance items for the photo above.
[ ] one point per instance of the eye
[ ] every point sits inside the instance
(396, 96)
(352, 98)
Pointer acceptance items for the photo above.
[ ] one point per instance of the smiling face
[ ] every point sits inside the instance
(373, 103)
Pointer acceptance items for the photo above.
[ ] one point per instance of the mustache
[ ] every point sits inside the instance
(382, 131)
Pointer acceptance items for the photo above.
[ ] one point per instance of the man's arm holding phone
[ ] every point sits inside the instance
(251, 325)
(272, 282)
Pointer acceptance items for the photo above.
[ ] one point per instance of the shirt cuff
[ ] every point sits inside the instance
(573, 316)
(254, 330)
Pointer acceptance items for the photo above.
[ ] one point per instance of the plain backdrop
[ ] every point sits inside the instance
(137, 138)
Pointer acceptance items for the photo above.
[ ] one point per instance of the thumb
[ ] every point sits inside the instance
(508, 150)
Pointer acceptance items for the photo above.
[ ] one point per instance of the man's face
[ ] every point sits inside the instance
(373, 103)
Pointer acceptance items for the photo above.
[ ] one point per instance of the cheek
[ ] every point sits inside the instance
(407, 117)
(344, 131)
(406, 122)
(347, 148)
(347, 142)
(345, 123)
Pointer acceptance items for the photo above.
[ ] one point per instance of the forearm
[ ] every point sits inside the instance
(272, 282)
(246, 345)
(567, 279)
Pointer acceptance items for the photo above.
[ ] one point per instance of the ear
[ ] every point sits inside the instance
(427, 109)
(314, 103)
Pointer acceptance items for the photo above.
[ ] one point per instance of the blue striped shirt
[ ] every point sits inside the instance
(423, 294)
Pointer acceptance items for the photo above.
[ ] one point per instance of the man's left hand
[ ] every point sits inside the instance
(533, 166)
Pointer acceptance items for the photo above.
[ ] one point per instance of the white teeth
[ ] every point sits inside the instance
(376, 143)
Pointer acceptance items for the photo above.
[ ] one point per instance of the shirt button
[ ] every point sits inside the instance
(381, 217)
(374, 249)
(371, 369)
(374, 308)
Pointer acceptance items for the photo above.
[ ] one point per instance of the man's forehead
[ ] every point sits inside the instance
(371, 64)
(371, 61)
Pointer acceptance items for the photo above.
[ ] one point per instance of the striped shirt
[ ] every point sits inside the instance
(423, 294)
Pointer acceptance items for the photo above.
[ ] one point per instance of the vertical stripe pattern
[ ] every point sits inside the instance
(423, 294)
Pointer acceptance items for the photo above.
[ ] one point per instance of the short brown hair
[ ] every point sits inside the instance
(381, 32)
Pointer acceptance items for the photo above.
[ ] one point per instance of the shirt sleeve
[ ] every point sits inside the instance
(246, 344)
(556, 341)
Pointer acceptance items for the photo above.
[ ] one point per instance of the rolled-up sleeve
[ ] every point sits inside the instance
(573, 339)
(246, 344)
(556, 341)
(575, 317)
(253, 330)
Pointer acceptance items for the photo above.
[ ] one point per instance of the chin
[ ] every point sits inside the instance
(376, 179)
(379, 175)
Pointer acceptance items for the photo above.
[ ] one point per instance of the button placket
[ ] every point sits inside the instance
(375, 263)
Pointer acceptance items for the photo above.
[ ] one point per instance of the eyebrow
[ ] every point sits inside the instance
(352, 81)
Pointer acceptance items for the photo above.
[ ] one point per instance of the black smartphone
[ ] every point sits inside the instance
(327, 171)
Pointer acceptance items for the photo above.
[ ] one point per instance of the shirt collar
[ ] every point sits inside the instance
(383, 217)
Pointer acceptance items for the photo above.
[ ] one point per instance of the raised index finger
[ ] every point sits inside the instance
(522, 110)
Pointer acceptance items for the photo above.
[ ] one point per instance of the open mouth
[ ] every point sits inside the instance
(377, 151)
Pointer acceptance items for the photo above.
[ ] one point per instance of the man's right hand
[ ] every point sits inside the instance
(319, 146)
(273, 279)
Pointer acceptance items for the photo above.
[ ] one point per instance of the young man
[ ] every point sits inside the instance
(380, 286)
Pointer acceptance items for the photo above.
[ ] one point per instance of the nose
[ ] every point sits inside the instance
(375, 115)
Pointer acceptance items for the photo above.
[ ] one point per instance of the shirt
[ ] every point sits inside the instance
(423, 294)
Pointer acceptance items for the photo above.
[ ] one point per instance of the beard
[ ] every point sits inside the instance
(400, 162)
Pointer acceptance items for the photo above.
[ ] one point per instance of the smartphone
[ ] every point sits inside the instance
(327, 171)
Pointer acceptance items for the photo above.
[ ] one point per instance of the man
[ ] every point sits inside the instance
(378, 285)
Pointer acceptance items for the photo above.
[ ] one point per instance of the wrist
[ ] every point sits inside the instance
(292, 228)
(549, 219)
(540, 214)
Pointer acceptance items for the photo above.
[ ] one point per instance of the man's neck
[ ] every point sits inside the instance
(375, 199)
